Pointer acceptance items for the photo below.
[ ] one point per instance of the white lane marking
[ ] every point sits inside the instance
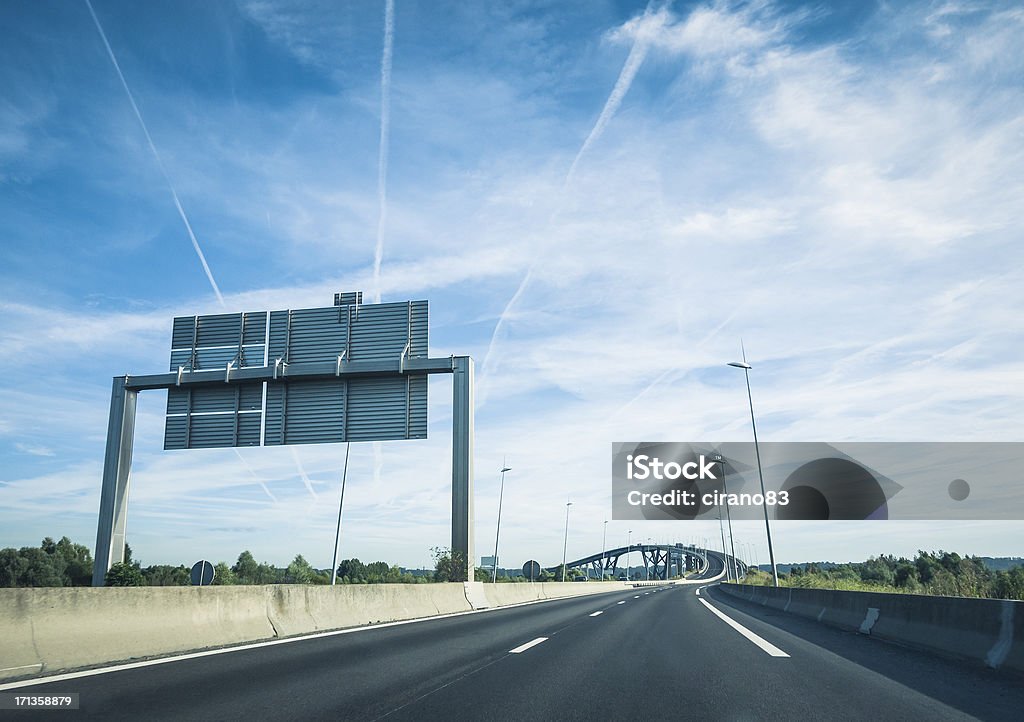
(597, 614)
(256, 645)
(524, 647)
(697, 591)
(622, 602)
(764, 644)
(646, 593)
(637, 596)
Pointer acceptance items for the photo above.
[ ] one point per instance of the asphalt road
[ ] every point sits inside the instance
(643, 654)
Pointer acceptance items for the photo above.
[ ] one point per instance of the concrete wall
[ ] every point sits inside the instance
(989, 631)
(50, 629)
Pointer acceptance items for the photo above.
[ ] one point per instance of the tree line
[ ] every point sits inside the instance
(66, 564)
(937, 573)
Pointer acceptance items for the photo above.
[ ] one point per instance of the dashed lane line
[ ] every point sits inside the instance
(523, 647)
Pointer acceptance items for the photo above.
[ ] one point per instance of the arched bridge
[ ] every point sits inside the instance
(660, 561)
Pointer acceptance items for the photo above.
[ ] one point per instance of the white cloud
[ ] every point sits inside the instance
(34, 450)
(720, 30)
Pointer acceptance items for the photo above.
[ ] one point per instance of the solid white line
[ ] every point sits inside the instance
(595, 614)
(524, 647)
(622, 602)
(46, 679)
(764, 644)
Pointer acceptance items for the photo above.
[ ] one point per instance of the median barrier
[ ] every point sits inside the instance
(49, 629)
(519, 592)
(81, 626)
(989, 631)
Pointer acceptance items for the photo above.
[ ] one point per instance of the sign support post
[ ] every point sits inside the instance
(117, 464)
(462, 464)
(338, 374)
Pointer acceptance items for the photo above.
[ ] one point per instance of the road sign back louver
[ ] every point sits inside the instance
(293, 410)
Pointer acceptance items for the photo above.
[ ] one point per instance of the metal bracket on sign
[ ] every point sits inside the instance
(401, 359)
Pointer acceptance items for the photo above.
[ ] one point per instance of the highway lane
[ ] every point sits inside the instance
(665, 656)
(640, 654)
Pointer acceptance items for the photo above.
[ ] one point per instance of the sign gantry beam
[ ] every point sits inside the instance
(121, 431)
(311, 371)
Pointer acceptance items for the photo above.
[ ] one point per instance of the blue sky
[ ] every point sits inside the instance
(599, 199)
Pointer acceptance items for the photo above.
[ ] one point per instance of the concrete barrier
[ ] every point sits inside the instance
(518, 592)
(76, 627)
(989, 631)
(44, 630)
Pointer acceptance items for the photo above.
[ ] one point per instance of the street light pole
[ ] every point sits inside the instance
(565, 540)
(604, 549)
(501, 495)
(725, 553)
(629, 546)
(757, 451)
(341, 504)
(728, 515)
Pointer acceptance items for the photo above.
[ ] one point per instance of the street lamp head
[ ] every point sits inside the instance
(740, 364)
(507, 468)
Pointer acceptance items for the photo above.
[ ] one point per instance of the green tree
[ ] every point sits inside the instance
(122, 574)
(448, 566)
(876, 571)
(1009, 584)
(165, 575)
(267, 574)
(376, 572)
(246, 569)
(40, 569)
(12, 567)
(78, 563)
(351, 571)
(222, 575)
(299, 571)
(905, 576)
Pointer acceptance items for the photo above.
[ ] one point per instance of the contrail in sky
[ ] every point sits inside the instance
(159, 162)
(634, 60)
(255, 476)
(382, 159)
(302, 473)
(382, 177)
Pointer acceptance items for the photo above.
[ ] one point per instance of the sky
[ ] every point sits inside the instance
(598, 199)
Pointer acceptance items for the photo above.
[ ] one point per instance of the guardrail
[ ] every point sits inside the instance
(990, 631)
